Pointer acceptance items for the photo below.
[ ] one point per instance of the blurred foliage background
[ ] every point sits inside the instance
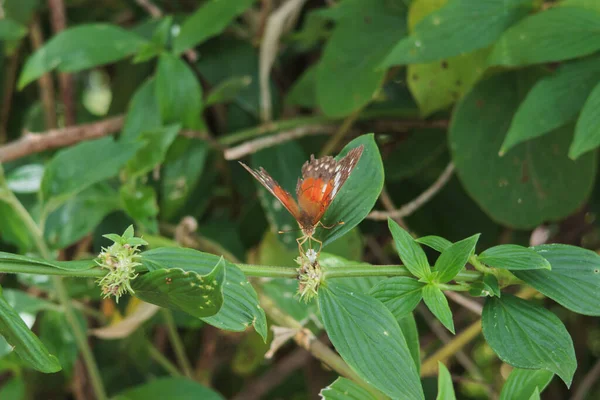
(116, 112)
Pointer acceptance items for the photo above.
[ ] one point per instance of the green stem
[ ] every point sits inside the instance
(479, 266)
(386, 270)
(177, 343)
(266, 271)
(162, 360)
(453, 288)
(61, 291)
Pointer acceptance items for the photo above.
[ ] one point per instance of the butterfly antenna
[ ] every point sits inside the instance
(288, 230)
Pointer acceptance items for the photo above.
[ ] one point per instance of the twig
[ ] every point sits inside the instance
(388, 203)
(414, 205)
(58, 21)
(337, 137)
(34, 143)
(258, 388)
(467, 303)
(255, 145)
(588, 381)
(45, 82)
(280, 20)
(9, 83)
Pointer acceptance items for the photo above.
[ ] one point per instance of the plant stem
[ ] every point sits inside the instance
(176, 342)
(267, 271)
(61, 291)
(387, 270)
(162, 360)
(453, 288)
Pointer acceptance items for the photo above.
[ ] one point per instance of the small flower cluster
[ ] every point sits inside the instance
(120, 259)
(309, 275)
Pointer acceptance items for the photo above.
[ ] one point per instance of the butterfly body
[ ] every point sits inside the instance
(321, 181)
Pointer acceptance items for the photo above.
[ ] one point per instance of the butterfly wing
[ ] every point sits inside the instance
(322, 179)
(276, 190)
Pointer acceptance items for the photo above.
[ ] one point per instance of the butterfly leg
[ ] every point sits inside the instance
(301, 241)
(331, 226)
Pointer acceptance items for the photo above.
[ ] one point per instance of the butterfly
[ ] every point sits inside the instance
(322, 179)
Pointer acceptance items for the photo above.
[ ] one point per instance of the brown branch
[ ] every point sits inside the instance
(252, 146)
(9, 85)
(34, 143)
(45, 82)
(588, 382)
(58, 21)
(414, 205)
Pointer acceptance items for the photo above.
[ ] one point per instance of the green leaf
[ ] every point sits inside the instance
(240, 308)
(512, 256)
(153, 151)
(537, 182)
(80, 215)
(587, 129)
(178, 289)
(157, 44)
(457, 28)
(558, 33)
(437, 303)
(13, 388)
(409, 329)
(139, 201)
(399, 294)
(169, 388)
(553, 101)
(347, 77)
(143, 114)
(304, 91)
(535, 395)
(11, 30)
(25, 344)
(369, 339)
(573, 281)
(57, 335)
(78, 167)
(25, 179)
(528, 336)
(445, 388)
(80, 48)
(437, 243)
(345, 389)
(178, 92)
(359, 194)
(412, 255)
(24, 264)
(453, 259)
(521, 383)
(228, 90)
(207, 21)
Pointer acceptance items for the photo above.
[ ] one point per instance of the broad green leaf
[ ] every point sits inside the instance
(528, 336)
(153, 151)
(169, 388)
(589, 4)
(13, 229)
(513, 257)
(437, 303)
(78, 167)
(358, 195)
(437, 85)
(139, 202)
(553, 101)
(284, 164)
(228, 90)
(437, 243)
(535, 395)
(587, 129)
(80, 48)
(16, 263)
(399, 294)
(158, 42)
(304, 91)
(183, 290)
(521, 383)
(459, 27)
(345, 389)
(179, 100)
(209, 20)
(445, 388)
(536, 182)
(409, 329)
(25, 179)
(80, 215)
(369, 339)
(240, 308)
(412, 255)
(556, 34)
(180, 174)
(143, 113)
(25, 344)
(453, 259)
(347, 75)
(573, 281)
(11, 30)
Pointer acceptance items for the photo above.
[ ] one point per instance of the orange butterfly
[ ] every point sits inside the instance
(321, 181)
